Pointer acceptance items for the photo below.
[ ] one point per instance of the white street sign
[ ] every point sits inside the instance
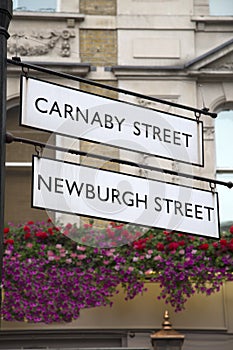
(77, 189)
(67, 111)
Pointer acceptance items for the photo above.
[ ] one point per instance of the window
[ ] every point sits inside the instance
(224, 163)
(221, 7)
(33, 5)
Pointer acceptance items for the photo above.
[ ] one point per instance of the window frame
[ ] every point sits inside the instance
(222, 172)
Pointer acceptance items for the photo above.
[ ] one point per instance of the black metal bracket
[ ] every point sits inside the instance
(10, 138)
(204, 111)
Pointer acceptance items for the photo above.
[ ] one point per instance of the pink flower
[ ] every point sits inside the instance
(68, 261)
(87, 225)
(109, 253)
(50, 253)
(130, 268)
(8, 252)
(157, 258)
(81, 256)
(58, 246)
(29, 245)
(81, 248)
(68, 226)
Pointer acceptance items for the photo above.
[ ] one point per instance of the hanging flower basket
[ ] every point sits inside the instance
(49, 277)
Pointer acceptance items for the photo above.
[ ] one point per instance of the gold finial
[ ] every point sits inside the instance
(167, 333)
(166, 323)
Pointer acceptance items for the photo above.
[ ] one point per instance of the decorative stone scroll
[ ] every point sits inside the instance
(208, 133)
(153, 104)
(39, 44)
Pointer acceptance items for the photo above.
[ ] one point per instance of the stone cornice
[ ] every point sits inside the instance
(213, 19)
(78, 69)
(52, 16)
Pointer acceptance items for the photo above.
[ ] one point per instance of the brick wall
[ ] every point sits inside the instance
(98, 7)
(98, 47)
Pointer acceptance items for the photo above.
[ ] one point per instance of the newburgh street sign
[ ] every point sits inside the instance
(88, 191)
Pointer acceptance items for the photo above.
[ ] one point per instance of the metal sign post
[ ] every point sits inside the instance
(5, 18)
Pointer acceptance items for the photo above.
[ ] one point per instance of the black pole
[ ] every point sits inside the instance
(5, 18)
(10, 138)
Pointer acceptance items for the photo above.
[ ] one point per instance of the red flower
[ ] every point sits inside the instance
(30, 222)
(26, 228)
(42, 235)
(50, 231)
(110, 233)
(181, 243)
(215, 244)
(116, 225)
(231, 229)
(166, 233)
(27, 235)
(230, 247)
(9, 241)
(223, 242)
(160, 247)
(140, 244)
(6, 230)
(173, 246)
(87, 225)
(204, 246)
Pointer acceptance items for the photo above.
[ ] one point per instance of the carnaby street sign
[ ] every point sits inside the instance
(77, 189)
(67, 111)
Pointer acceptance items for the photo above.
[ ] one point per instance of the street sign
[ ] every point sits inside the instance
(88, 191)
(71, 112)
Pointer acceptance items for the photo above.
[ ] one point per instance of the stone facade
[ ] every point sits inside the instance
(172, 50)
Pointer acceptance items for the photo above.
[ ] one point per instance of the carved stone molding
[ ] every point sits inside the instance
(208, 133)
(226, 66)
(223, 63)
(157, 105)
(39, 44)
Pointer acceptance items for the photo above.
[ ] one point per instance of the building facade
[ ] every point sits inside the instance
(174, 50)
